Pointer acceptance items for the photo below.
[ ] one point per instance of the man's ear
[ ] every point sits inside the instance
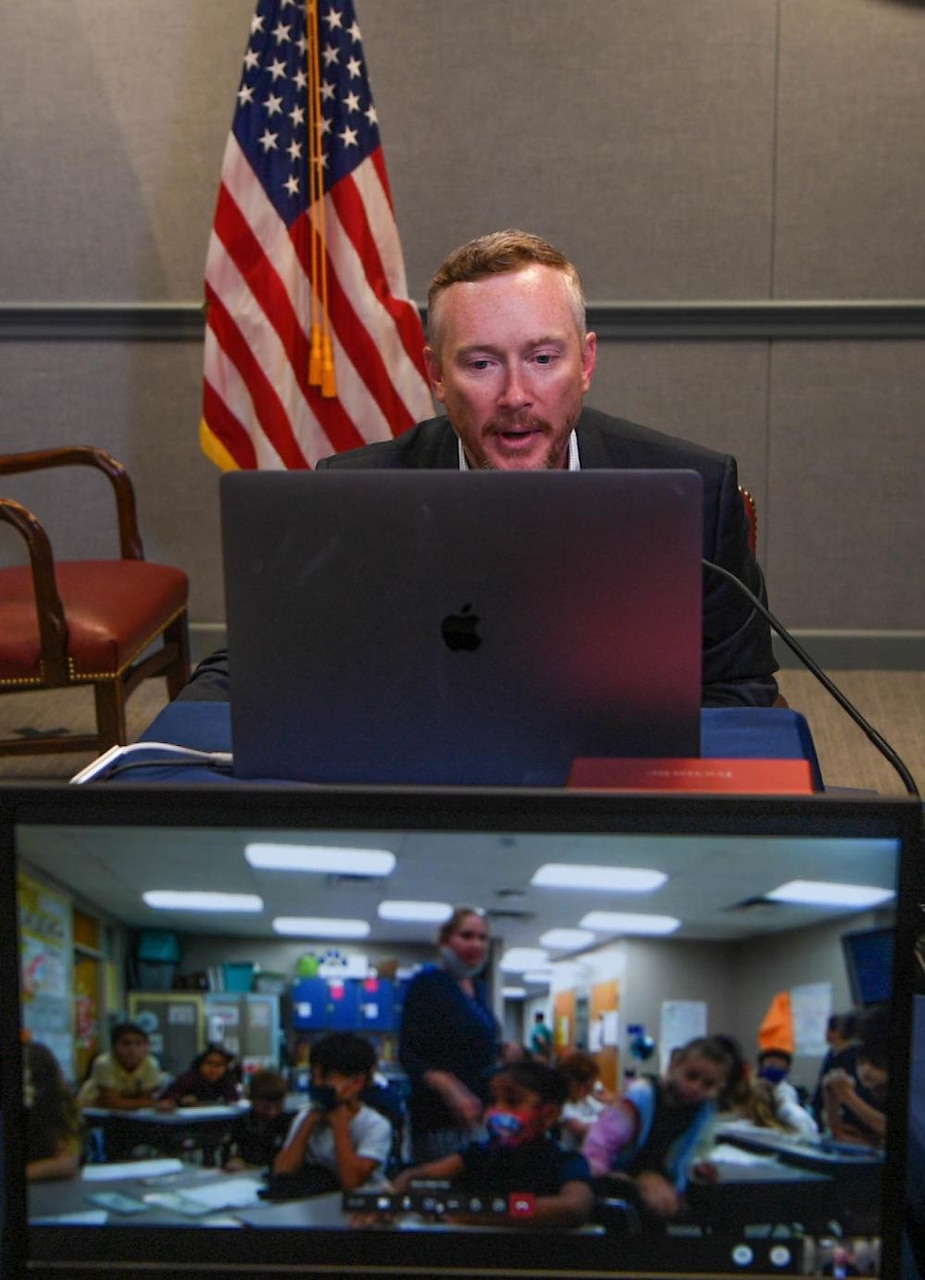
(588, 360)
(434, 366)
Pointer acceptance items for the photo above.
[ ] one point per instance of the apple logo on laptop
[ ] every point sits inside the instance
(460, 630)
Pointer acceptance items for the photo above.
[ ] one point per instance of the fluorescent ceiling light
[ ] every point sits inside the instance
(566, 939)
(513, 993)
(824, 893)
(428, 912)
(191, 900)
(628, 922)
(517, 959)
(565, 875)
(320, 858)
(320, 927)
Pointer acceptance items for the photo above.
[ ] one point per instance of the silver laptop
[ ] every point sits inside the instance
(438, 627)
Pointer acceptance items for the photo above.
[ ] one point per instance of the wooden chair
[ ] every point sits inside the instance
(80, 622)
(751, 515)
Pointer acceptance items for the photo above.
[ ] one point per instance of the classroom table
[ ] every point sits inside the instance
(762, 1190)
(212, 1198)
(203, 1129)
(855, 1171)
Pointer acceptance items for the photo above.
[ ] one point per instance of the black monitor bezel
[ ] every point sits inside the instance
(135, 1252)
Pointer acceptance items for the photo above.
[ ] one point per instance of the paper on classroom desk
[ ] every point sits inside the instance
(130, 1169)
(81, 1218)
(728, 1154)
(231, 1193)
(219, 1109)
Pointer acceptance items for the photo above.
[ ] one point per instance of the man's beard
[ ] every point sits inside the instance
(529, 422)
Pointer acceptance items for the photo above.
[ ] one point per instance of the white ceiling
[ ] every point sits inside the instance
(709, 877)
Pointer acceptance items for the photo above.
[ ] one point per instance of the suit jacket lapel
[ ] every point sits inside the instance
(593, 451)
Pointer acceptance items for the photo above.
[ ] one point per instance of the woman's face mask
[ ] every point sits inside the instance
(456, 966)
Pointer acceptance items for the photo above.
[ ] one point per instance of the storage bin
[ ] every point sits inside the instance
(238, 976)
(159, 945)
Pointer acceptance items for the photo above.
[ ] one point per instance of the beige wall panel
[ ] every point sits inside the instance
(712, 392)
(113, 134)
(846, 543)
(850, 182)
(637, 134)
(141, 402)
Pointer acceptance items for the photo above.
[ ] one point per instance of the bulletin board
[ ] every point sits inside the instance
(564, 1010)
(605, 1030)
(46, 968)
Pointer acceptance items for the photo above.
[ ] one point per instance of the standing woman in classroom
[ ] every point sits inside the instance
(450, 1041)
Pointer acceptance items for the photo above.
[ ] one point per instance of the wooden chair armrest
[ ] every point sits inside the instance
(48, 606)
(130, 544)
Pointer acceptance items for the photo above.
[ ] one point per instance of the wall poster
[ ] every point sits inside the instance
(46, 966)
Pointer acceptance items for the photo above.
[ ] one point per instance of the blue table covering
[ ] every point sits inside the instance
(726, 733)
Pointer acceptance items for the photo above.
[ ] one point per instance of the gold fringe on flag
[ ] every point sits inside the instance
(321, 356)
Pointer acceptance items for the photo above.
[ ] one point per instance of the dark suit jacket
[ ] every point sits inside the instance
(738, 663)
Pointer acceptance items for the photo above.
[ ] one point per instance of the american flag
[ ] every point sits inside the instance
(286, 261)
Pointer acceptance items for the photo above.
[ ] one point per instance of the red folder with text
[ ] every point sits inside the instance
(754, 777)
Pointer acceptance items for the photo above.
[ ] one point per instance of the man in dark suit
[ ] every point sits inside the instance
(510, 359)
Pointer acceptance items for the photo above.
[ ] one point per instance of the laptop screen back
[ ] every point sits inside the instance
(437, 627)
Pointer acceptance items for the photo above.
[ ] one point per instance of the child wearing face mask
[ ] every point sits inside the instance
(773, 1068)
(646, 1142)
(520, 1164)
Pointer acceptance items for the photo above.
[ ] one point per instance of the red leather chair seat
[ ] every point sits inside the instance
(108, 605)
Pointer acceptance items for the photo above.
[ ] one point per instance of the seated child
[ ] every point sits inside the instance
(520, 1159)
(53, 1128)
(856, 1114)
(337, 1141)
(259, 1132)
(209, 1080)
(127, 1077)
(647, 1141)
(773, 1068)
(582, 1108)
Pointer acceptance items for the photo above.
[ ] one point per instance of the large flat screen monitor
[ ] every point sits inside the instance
(699, 917)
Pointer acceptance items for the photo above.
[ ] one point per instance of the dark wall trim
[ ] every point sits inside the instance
(101, 321)
(756, 321)
(857, 650)
(612, 321)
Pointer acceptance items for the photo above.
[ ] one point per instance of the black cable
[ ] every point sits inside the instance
(811, 665)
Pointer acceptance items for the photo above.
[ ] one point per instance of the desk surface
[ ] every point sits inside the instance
(727, 733)
(216, 1197)
(820, 1154)
(181, 1117)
